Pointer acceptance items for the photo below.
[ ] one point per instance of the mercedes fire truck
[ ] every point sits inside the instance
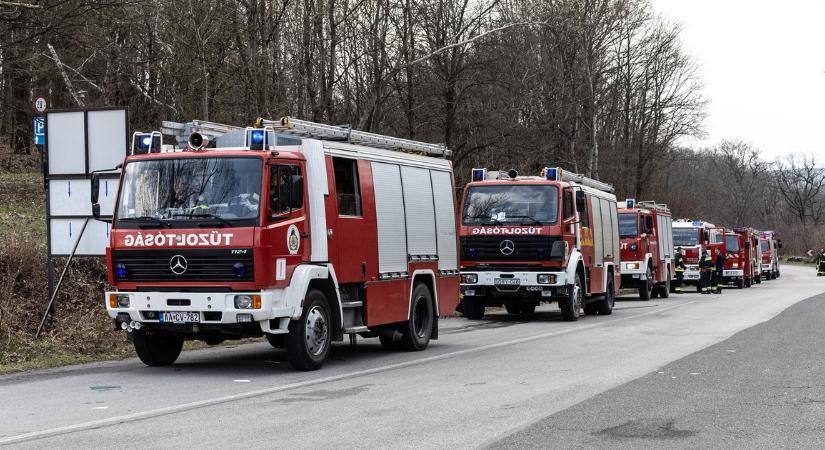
(293, 230)
(694, 237)
(532, 239)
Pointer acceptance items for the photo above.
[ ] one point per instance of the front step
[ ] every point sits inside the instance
(357, 304)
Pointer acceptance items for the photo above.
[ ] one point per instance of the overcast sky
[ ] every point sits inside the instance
(763, 66)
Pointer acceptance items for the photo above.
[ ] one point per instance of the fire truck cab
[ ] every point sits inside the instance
(296, 231)
(646, 230)
(770, 245)
(693, 237)
(532, 239)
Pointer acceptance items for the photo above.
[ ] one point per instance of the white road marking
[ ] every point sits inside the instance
(259, 392)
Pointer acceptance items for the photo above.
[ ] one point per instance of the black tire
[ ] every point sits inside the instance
(310, 337)
(646, 289)
(417, 330)
(604, 307)
(741, 283)
(276, 340)
(758, 278)
(664, 290)
(473, 308)
(571, 305)
(156, 348)
(747, 282)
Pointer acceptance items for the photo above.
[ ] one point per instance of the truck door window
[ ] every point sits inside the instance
(347, 188)
(279, 188)
(568, 204)
(584, 214)
(648, 224)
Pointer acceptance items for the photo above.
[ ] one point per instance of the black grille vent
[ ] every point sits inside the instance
(201, 265)
(524, 248)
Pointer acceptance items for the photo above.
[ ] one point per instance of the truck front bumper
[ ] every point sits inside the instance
(502, 284)
(212, 308)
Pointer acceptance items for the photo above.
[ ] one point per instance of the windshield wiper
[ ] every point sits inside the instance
(206, 216)
(535, 221)
(156, 221)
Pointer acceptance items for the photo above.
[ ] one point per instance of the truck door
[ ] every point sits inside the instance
(351, 217)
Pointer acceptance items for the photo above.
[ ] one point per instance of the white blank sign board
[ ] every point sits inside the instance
(107, 138)
(73, 197)
(64, 234)
(66, 140)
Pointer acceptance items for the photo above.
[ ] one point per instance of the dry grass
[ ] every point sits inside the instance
(79, 329)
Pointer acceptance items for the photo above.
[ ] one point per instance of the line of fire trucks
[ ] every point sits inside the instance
(305, 233)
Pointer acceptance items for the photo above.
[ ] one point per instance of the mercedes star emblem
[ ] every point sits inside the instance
(507, 247)
(178, 264)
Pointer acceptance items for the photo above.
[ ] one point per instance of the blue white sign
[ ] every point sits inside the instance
(39, 131)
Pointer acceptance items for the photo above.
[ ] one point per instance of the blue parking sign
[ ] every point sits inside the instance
(39, 131)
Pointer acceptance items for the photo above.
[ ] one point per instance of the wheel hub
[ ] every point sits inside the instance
(317, 331)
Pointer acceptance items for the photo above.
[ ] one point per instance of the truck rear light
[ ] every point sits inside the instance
(118, 301)
(735, 265)
(546, 278)
(248, 302)
(469, 278)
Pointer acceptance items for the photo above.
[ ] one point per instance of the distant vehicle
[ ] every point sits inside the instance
(532, 239)
(743, 264)
(282, 231)
(693, 237)
(770, 245)
(646, 231)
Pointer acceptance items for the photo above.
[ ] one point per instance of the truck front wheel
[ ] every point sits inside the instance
(157, 348)
(310, 337)
(571, 306)
(646, 288)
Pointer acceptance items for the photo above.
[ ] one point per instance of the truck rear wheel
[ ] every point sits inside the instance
(604, 307)
(664, 288)
(416, 332)
(571, 306)
(646, 288)
(157, 348)
(740, 283)
(310, 337)
(473, 308)
(758, 278)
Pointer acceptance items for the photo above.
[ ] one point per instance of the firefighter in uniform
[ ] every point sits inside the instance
(820, 262)
(679, 264)
(718, 271)
(706, 271)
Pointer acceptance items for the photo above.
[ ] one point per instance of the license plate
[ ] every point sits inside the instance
(507, 282)
(691, 277)
(180, 317)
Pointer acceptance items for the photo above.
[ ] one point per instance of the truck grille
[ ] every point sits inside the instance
(195, 265)
(489, 248)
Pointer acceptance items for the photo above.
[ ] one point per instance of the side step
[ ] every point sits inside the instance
(357, 304)
(359, 329)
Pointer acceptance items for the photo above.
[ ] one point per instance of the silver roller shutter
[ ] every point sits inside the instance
(389, 211)
(445, 220)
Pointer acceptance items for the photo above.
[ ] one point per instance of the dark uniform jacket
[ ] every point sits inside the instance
(720, 262)
(679, 262)
(705, 262)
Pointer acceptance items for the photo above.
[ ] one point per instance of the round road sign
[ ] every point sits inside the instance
(40, 104)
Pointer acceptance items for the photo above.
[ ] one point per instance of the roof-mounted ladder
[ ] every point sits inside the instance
(649, 204)
(564, 175)
(306, 129)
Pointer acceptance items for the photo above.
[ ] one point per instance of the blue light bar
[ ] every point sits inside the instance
(551, 173)
(630, 203)
(479, 174)
(256, 138)
(146, 143)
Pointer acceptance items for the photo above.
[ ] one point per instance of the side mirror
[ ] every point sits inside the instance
(96, 210)
(296, 191)
(580, 201)
(95, 187)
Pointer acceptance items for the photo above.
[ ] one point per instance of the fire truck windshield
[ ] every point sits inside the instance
(180, 190)
(511, 204)
(628, 225)
(732, 243)
(685, 237)
(765, 246)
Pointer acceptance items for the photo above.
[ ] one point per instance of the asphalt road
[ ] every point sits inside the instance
(663, 373)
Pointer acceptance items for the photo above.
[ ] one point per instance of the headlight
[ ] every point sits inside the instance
(469, 278)
(632, 266)
(735, 265)
(546, 278)
(118, 300)
(248, 302)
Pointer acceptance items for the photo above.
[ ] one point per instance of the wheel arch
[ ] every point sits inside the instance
(427, 278)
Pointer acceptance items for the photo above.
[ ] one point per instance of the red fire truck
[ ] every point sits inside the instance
(647, 247)
(693, 237)
(297, 231)
(742, 263)
(532, 239)
(770, 245)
